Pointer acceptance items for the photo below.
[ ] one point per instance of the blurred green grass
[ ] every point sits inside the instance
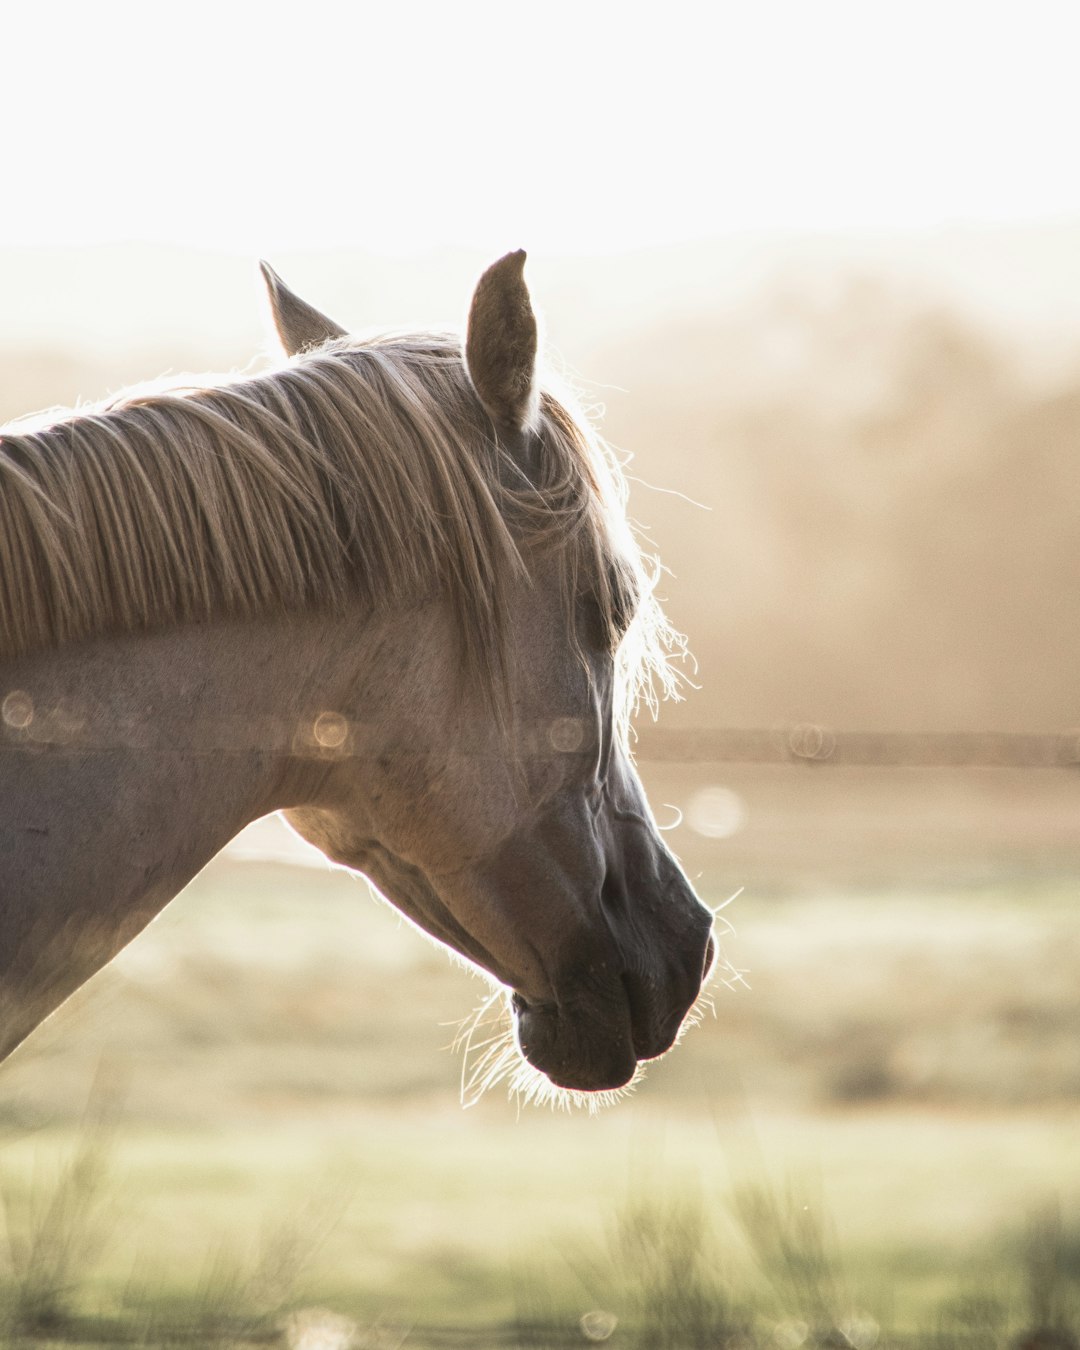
(907, 1055)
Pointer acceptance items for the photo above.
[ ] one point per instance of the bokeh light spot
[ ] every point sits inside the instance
(716, 812)
(17, 709)
(598, 1326)
(330, 730)
(566, 734)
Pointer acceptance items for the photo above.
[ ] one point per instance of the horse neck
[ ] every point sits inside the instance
(125, 765)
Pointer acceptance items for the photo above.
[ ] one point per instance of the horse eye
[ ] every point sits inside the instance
(624, 598)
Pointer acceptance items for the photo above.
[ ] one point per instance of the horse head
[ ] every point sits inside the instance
(516, 830)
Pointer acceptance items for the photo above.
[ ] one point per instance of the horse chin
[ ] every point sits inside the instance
(578, 1055)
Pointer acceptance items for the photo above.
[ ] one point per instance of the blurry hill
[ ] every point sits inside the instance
(885, 431)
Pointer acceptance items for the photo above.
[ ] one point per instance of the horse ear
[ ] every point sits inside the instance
(299, 325)
(500, 344)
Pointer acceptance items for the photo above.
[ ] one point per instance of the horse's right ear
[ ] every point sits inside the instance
(299, 325)
(500, 344)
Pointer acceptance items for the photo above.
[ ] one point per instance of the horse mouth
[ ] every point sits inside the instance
(574, 1052)
(598, 1048)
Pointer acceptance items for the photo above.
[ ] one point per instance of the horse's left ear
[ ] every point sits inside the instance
(299, 325)
(500, 344)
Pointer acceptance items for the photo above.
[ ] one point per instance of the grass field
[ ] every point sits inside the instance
(882, 1129)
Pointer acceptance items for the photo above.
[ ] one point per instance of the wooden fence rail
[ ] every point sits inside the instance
(814, 744)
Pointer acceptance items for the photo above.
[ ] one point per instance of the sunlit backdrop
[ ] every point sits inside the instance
(818, 268)
(567, 127)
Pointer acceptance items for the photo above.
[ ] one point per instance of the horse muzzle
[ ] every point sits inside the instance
(594, 1040)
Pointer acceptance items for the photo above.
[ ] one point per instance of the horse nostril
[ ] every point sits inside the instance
(612, 893)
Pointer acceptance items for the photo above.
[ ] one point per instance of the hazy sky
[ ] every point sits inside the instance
(570, 127)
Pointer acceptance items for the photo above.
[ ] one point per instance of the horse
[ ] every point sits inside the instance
(386, 588)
